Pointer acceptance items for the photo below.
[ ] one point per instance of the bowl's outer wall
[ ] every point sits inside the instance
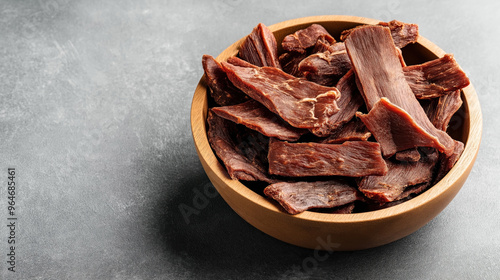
(339, 231)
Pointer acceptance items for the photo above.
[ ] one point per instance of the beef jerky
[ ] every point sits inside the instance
(343, 209)
(238, 166)
(441, 110)
(400, 175)
(325, 68)
(355, 130)
(377, 205)
(290, 63)
(321, 45)
(240, 62)
(298, 197)
(349, 102)
(350, 159)
(221, 89)
(395, 129)
(253, 145)
(301, 103)
(306, 38)
(379, 72)
(260, 47)
(413, 190)
(255, 116)
(408, 155)
(436, 78)
(401, 33)
(446, 163)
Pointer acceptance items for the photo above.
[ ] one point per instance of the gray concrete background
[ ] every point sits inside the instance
(94, 115)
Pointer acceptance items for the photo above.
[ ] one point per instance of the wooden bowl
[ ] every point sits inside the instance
(341, 232)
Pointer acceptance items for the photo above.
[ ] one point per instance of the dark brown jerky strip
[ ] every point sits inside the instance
(441, 110)
(412, 155)
(436, 78)
(325, 68)
(402, 33)
(306, 38)
(350, 159)
(301, 103)
(290, 63)
(237, 164)
(447, 163)
(298, 197)
(355, 130)
(395, 129)
(378, 69)
(221, 89)
(255, 116)
(349, 102)
(400, 175)
(343, 209)
(260, 47)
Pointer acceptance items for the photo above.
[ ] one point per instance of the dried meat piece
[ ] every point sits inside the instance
(441, 110)
(238, 165)
(401, 33)
(301, 103)
(255, 116)
(260, 47)
(355, 130)
(446, 163)
(290, 63)
(412, 155)
(325, 68)
(400, 175)
(306, 38)
(349, 102)
(321, 45)
(221, 89)
(436, 78)
(297, 197)
(395, 129)
(379, 74)
(240, 62)
(350, 159)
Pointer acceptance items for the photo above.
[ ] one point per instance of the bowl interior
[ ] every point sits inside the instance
(465, 126)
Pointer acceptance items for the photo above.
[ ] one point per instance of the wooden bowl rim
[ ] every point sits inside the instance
(206, 154)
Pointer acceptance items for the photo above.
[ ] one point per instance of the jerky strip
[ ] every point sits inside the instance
(436, 78)
(400, 175)
(377, 66)
(298, 197)
(349, 102)
(221, 89)
(290, 63)
(402, 33)
(447, 163)
(351, 159)
(441, 110)
(412, 155)
(395, 129)
(305, 38)
(325, 68)
(255, 116)
(260, 47)
(301, 103)
(355, 130)
(237, 164)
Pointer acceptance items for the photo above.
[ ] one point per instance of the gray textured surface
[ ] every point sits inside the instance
(94, 115)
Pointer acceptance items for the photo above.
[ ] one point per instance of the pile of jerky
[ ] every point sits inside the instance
(342, 126)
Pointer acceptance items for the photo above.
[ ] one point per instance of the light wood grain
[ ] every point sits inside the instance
(342, 231)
